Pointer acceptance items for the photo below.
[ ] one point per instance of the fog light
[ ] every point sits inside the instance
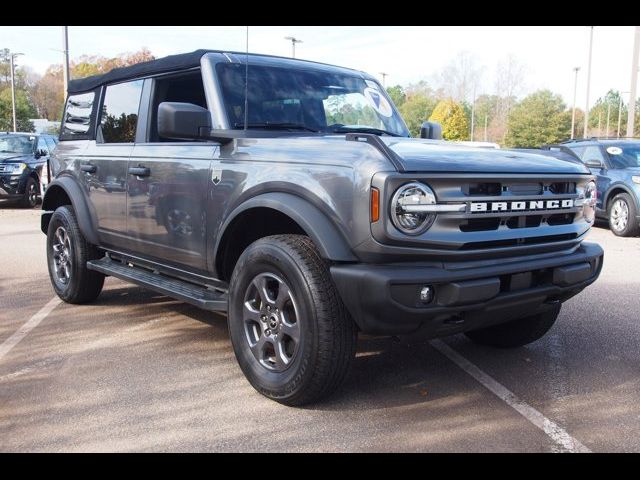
(426, 294)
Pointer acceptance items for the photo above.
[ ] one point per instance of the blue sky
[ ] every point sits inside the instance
(408, 54)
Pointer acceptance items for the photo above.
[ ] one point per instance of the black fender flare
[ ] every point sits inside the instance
(327, 237)
(619, 186)
(86, 218)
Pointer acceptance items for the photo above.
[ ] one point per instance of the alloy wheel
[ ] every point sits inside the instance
(62, 255)
(271, 322)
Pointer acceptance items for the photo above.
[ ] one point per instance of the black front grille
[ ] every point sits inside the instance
(514, 242)
(480, 224)
(559, 188)
(482, 189)
(525, 189)
(524, 221)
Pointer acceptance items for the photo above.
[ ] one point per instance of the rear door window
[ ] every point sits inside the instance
(119, 118)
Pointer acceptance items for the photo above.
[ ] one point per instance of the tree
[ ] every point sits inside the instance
(397, 95)
(88, 65)
(598, 114)
(450, 114)
(24, 111)
(415, 110)
(485, 112)
(538, 119)
(509, 84)
(48, 95)
(461, 77)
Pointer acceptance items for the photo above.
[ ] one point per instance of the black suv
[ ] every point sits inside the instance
(23, 166)
(290, 195)
(616, 164)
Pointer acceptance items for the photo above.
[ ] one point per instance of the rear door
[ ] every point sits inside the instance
(168, 181)
(106, 159)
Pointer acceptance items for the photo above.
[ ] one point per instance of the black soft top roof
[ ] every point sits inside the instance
(161, 65)
(183, 61)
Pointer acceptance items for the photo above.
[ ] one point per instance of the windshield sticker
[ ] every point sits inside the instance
(614, 150)
(378, 102)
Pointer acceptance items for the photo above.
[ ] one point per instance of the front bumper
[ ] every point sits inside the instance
(11, 186)
(384, 299)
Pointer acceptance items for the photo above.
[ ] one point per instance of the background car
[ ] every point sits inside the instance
(23, 166)
(616, 165)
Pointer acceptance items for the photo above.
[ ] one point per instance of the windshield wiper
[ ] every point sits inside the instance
(376, 131)
(277, 126)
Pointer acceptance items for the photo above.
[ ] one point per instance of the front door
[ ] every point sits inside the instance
(167, 198)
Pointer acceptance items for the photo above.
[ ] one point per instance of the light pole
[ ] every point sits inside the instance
(293, 41)
(473, 113)
(620, 113)
(586, 110)
(634, 80)
(12, 57)
(65, 63)
(575, 91)
(384, 79)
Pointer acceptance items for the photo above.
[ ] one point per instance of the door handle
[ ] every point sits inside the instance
(139, 171)
(87, 167)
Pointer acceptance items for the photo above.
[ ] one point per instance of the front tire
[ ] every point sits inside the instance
(291, 333)
(623, 216)
(516, 333)
(30, 197)
(67, 256)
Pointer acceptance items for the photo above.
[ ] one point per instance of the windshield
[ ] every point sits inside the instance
(624, 155)
(296, 99)
(16, 143)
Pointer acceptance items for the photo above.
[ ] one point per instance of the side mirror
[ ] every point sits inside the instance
(431, 130)
(41, 153)
(594, 163)
(184, 121)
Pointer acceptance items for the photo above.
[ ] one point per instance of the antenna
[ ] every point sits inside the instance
(246, 83)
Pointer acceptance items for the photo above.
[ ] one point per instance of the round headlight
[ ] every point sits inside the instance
(406, 205)
(589, 205)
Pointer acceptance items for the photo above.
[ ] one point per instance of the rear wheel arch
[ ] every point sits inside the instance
(277, 213)
(65, 191)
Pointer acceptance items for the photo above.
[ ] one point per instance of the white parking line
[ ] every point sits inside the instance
(32, 323)
(558, 434)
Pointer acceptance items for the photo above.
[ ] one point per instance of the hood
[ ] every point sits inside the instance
(418, 155)
(15, 157)
(632, 171)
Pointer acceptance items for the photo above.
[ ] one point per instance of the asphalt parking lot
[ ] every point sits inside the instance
(136, 371)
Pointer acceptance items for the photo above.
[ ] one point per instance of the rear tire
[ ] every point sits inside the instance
(291, 333)
(623, 216)
(516, 333)
(67, 256)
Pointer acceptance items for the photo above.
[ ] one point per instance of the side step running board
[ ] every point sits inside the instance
(178, 289)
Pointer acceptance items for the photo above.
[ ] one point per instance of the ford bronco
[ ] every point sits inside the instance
(291, 195)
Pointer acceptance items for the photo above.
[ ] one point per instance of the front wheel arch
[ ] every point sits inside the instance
(301, 217)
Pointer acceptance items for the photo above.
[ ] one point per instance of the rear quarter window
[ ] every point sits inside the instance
(79, 117)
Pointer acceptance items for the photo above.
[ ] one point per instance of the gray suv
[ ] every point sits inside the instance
(290, 195)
